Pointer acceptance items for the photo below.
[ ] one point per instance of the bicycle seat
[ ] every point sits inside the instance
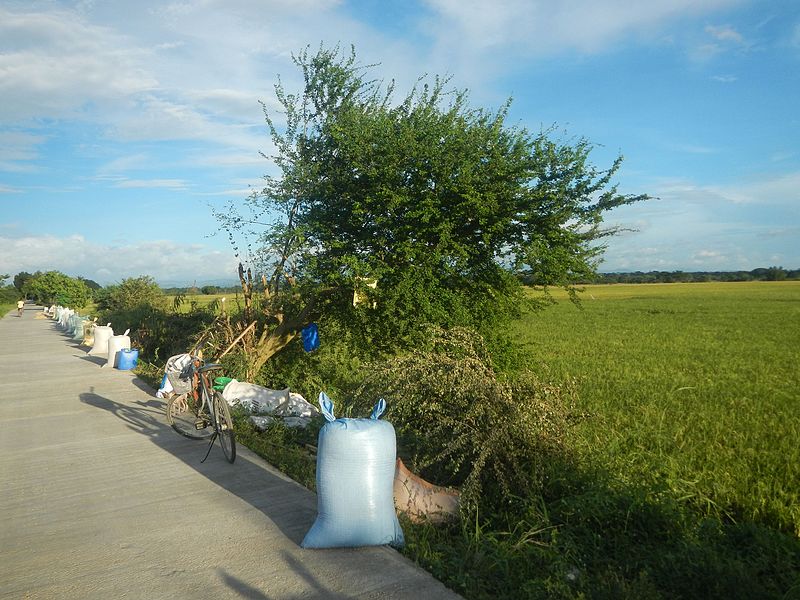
(210, 367)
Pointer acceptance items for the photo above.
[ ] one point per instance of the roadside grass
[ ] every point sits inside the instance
(682, 476)
(689, 386)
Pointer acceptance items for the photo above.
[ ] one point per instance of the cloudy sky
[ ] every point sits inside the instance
(124, 123)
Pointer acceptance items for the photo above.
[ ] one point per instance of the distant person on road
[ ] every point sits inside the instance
(20, 305)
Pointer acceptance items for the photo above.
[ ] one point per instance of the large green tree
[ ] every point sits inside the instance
(444, 206)
(131, 293)
(55, 287)
(20, 279)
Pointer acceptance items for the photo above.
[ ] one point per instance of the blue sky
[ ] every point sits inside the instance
(122, 123)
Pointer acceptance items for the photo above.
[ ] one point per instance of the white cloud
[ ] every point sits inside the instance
(153, 183)
(725, 78)
(17, 148)
(779, 190)
(470, 30)
(737, 225)
(725, 33)
(723, 38)
(166, 261)
(52, 63)
(5, 189)
(693, 148)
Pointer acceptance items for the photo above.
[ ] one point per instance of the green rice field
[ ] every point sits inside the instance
(690, 390)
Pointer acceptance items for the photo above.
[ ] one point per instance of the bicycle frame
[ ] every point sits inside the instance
(211, 409)
(202, 388)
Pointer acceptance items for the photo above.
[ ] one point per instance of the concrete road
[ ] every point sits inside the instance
(101, 499)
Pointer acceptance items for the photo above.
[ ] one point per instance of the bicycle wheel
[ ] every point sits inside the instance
(222, 415)
(183, 417)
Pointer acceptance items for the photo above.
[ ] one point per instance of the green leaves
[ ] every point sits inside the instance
(445, 205)
(55, 287)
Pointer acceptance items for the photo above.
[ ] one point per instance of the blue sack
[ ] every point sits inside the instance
(310, 335)
(355, 482)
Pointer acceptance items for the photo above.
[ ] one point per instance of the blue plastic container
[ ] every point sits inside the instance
(127, 359)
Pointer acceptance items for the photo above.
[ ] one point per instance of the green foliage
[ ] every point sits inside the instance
(439, 203)
(54, 287)
(8, 294)
(160, 334)
(91, 284)
(8, 298)
(760, 274)
(776, 274)
(463, 425)
(131, 293)
(334, 367)
(592, 538)
(20, 279)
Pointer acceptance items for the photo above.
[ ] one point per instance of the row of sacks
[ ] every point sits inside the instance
(100, 338)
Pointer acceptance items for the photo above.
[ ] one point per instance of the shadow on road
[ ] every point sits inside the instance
(247, 479)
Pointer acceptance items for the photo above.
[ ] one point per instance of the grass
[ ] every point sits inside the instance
(682, 479)
(690, 386)
(232, 302)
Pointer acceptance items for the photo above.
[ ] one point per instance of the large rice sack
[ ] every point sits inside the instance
(115, 344)
(88, 332)
(63, 320)
(355, 473)
(77, 333)
(102, 333)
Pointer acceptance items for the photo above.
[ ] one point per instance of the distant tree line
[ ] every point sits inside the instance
(193, 290)
(760, 274)
(54, 286)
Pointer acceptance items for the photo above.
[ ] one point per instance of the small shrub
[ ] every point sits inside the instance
(463, 425)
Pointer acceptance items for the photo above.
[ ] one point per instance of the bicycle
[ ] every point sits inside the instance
(202, 412)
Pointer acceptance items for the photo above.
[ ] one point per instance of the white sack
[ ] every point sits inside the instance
(296, 406)
(102, 333)
(115, 344)
(77, 333)
(254, 397)
(355, 473)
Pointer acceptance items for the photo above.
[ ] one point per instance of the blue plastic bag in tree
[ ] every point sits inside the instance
(310, 335)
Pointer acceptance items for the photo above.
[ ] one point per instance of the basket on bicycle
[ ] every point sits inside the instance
(179, 373)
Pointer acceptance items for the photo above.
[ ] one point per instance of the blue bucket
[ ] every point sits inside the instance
(127, 359)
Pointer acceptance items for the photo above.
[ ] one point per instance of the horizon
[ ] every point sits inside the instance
(123, 126)
(234, 283)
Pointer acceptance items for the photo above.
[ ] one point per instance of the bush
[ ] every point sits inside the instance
(463, 425)
(131, 293)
